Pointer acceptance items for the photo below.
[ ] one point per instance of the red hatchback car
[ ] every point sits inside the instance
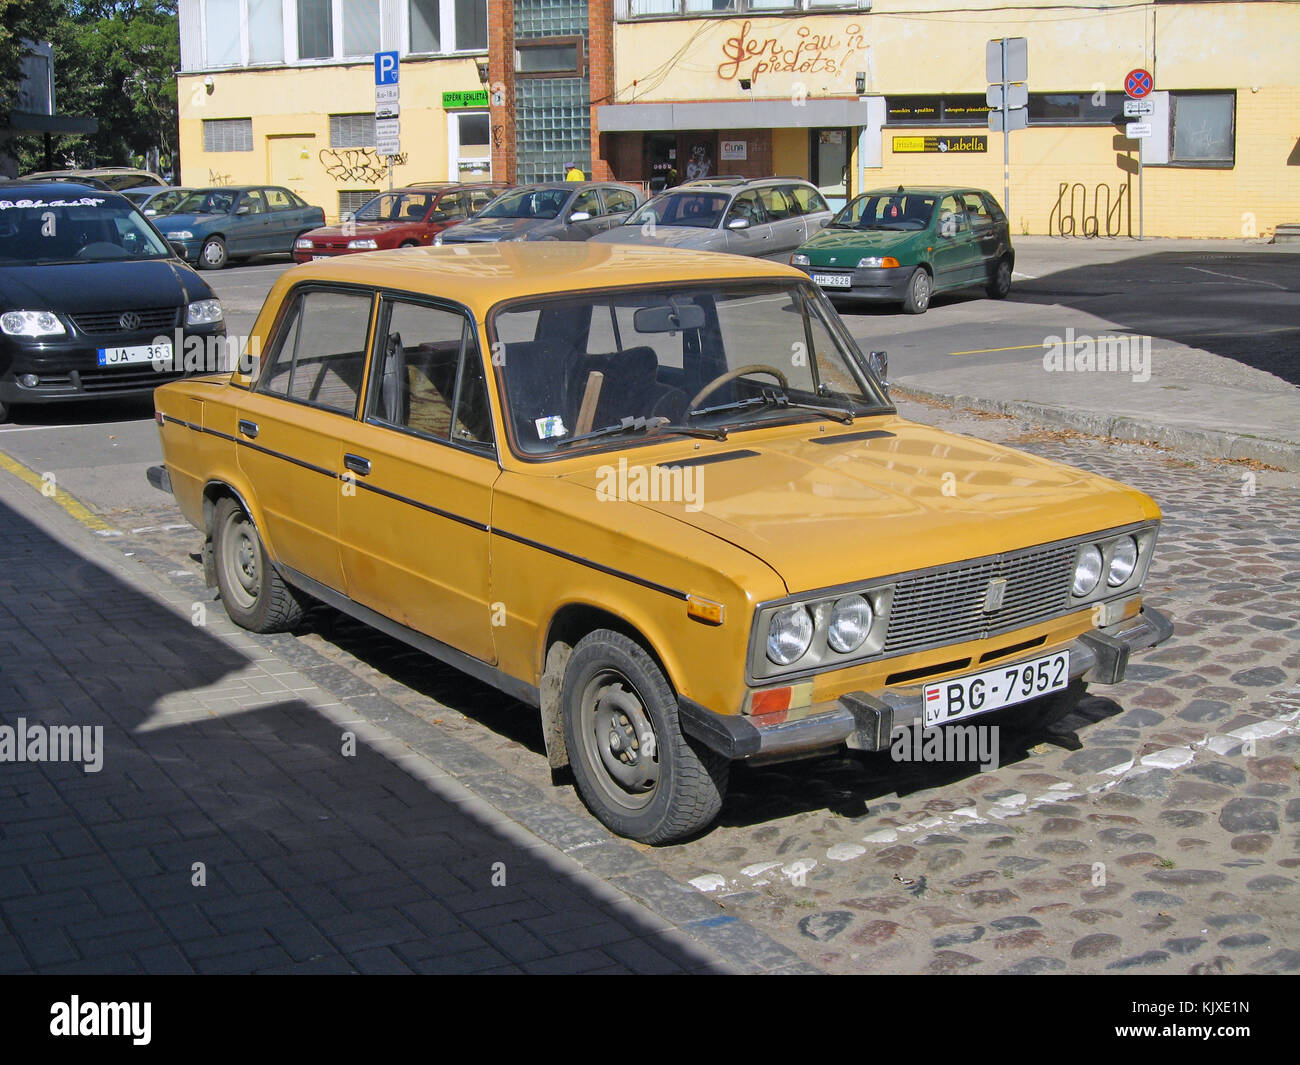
(402, 218)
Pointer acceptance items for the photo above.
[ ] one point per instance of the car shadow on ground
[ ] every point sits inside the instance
(82, 412)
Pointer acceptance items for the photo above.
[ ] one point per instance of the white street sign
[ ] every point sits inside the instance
(1017, 119)
(1137, 108)
(1017, 96)
(1137, 130)
(385, 94)
(1017, 59)
(383, 111)
(387, 139)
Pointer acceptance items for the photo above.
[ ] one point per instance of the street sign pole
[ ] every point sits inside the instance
(1138, 84)
(1006, 136)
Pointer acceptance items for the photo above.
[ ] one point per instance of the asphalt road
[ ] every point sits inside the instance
(1231, 304)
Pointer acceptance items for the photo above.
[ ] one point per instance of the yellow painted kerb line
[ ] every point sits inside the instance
(990, 351)
(74, 507)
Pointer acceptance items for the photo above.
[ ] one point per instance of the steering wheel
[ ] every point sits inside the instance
(731, 375)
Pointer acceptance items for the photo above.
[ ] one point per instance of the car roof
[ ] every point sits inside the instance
(42, 188)
(924, 190)
(723, 182)
(482, 275)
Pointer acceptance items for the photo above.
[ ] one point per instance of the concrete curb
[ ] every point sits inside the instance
(583, 841)
(1207, 443)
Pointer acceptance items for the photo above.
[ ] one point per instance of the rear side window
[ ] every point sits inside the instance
(319, 352)
(778, 205)
(809, 200)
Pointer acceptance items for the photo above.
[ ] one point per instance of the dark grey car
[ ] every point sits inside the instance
(744, 216)
(552, 210)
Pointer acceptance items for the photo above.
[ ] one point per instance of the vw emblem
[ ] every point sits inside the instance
(130, 321)
(994, 594)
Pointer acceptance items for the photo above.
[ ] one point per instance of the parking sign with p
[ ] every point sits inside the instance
(385, 68)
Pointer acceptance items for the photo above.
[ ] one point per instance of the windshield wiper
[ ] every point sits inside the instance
(772, 397)
(646, 425)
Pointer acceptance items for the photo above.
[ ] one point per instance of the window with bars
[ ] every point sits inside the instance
(352, 200)
(227, 134)
(352, 131)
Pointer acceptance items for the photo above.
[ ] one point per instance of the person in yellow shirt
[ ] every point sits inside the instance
(574, 173)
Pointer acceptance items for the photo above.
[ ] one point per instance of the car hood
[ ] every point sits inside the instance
(360, 230)
(488, 229)
(825, 506)
(866, 242)
(663, 236)
(186, 221)
(117, 286)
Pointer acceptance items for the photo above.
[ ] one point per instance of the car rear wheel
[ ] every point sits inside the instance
(634, 768)
(255, 596)
(919, 290)
(1000, 285)
(409, 244)
(213, 255)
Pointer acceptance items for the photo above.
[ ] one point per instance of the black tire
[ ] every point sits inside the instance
(254, 595)
(920, 287)
(1000, 284)
(652, 788)
(213, 256)
(409, 244)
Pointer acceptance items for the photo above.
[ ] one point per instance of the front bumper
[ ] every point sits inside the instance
(889, 285)
(866, 720)
(67, 368)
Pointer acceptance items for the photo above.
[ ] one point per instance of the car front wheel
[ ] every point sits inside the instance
(919, 289)
(213, 254)
(634, 768)
(255, 596)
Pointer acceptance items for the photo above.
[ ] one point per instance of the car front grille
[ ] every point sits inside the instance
(947, 606)
(107, 322)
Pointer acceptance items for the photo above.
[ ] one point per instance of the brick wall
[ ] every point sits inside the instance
(600, 70)
(501, 80)
(623, 153)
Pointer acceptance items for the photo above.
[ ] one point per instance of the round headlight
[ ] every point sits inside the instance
(788, 635)
(1087, 571)
(850, 622)
(1122, 562)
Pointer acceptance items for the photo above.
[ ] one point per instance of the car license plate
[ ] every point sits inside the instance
(834, 280)
(320, 257)
(131, 356)
(951, 700)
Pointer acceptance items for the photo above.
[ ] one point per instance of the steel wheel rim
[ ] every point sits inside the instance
(241, 561)
(922, 288)
(619, 741)
(212, 253)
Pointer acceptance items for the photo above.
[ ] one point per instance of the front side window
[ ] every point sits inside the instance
(748, 207)
(207, 201)
(319, 352)
(537, 203)
(395, 207)
(701, 210)
(428, 376)
(626, 366)
(952, 219)
(588, 201)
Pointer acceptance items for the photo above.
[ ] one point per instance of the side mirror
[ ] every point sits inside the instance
(243, 208)
(438, 216)
(879, 363)
(738, 223)
(580, 216)
(178, 248)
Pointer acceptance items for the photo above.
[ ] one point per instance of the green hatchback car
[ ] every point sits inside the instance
(903, 245)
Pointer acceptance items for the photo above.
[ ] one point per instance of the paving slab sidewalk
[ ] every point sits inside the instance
(256, 809)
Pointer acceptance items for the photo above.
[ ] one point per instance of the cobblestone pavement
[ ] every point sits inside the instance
(1157, 829)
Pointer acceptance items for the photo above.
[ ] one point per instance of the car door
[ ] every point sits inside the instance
(754, 238)
(414, 528)
(812, 206)
(619, 203)
(284, 220)
(954, 253)
(586, 201)
(986, 237)
(250, 227)
(293, 423)
(784, 218)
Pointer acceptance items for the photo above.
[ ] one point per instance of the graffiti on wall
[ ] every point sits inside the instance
(358, 164)
(217, 179)
(803, 52)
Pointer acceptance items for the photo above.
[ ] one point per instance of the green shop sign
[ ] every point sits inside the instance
(469, 98)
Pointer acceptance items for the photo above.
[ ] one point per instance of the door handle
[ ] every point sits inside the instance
(357, 464)
(248, 429)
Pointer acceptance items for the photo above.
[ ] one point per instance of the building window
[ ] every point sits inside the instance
(1202, 128)
(352, 200)
(221, 33)
(315, 29)
(447, 25)
(360, 27)
(352, 131)
(965, 109)
(549, 57)
(242, 32)
(227, 134)
(626, 9)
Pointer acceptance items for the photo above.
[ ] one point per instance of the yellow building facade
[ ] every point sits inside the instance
(894, 93)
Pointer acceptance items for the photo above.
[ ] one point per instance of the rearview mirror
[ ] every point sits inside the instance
(668, 318)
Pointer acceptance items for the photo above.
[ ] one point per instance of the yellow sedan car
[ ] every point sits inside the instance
(659, 495)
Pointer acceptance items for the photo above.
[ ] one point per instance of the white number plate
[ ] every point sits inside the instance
(834, 280)
(951, 700)
(314, 257)
(131, 356)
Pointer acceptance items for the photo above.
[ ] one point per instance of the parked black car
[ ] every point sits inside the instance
(93, 301)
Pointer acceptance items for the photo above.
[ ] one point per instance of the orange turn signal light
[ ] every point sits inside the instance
(772, 701)
(705, 610)
(889, 262)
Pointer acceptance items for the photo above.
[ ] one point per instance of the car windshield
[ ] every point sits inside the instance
(703, 358)
(703, 210)
(396, 207)
(538, 203)
(53, 229)
(208, 201)
(887, 210)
